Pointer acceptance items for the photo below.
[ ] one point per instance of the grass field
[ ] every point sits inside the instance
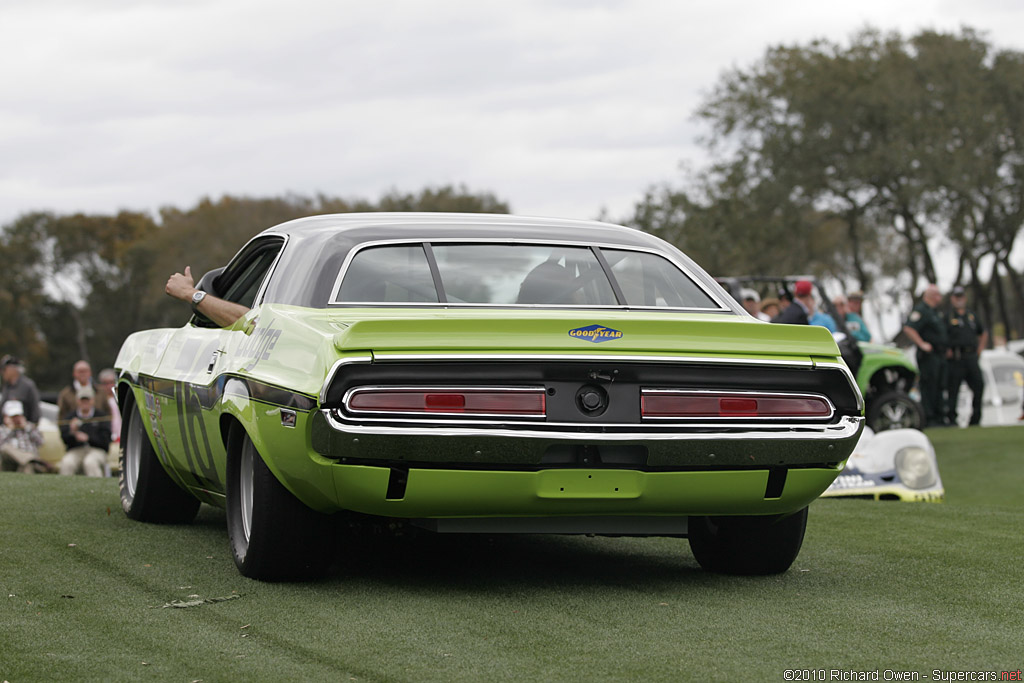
(878, 586)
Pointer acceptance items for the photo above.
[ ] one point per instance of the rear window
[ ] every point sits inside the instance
(522, 274)
(517, 275)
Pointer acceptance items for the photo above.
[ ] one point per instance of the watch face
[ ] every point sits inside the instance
(197, 297)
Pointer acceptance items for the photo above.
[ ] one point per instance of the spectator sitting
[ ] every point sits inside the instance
(20, 441)
(108, 381)
(86, 433)
(81, 376)
(18, 387)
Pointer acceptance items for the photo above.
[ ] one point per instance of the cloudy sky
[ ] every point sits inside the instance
(560, 107)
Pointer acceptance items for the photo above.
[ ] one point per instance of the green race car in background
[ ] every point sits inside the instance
(475, 373)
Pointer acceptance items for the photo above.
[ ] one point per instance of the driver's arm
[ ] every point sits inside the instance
(224, 313)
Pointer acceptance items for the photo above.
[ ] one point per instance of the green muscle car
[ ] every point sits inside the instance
(489, 374)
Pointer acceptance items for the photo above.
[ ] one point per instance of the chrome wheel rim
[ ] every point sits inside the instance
(245, 486)
(133, 453)
(895, 414)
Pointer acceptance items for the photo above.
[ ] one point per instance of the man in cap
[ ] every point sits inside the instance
(926, 328)
(18, 387)
(802, 308)
(751, 301)
(86, 434)
(855, 324)
(19, 441)
(967, 339)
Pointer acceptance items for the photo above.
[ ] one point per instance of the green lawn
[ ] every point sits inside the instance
(878, 585)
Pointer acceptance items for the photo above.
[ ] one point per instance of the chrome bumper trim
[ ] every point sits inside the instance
(846, 428)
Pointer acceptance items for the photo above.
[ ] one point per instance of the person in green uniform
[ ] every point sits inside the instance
(927, 329)
(967, 339)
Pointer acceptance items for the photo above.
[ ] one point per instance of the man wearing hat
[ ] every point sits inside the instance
(751, 301)
(18, 387)
(926, 328)
(855, 324)
(967, 339)
(86, 434)
(800, 311)
(19, 441)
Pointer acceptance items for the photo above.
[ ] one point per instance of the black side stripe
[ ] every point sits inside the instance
(208, 395)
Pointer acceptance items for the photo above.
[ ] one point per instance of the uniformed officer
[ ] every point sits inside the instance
(927, 330)
(967, 339)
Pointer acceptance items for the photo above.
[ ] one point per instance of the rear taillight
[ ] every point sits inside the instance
(671, 403)
(498, 402)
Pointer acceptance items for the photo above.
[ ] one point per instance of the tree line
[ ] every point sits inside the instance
(851, 161)
(74, 286)
(858, 162)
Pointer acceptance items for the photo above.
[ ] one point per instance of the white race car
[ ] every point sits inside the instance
(898, 464)
(1002, 401)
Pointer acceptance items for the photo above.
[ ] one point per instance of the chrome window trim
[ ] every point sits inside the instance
(336, 289)
(766, 394)
(587, 358)
(270, 271)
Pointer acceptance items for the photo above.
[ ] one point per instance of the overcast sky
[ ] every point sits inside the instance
(559, 107)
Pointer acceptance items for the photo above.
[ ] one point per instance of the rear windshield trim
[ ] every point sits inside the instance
(426, 244)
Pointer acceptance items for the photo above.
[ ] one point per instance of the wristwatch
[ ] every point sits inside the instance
(197, 297)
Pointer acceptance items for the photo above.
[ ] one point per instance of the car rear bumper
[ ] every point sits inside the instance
(475, 494)
(697, 447)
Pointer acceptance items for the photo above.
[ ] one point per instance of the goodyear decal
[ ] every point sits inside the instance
(595, 333)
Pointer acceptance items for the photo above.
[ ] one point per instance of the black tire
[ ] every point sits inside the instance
(148, 494)
(894, 409)
(747, 545)
(274, 536)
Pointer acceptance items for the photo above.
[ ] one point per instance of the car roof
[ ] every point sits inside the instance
(360, 227)
(316, 245)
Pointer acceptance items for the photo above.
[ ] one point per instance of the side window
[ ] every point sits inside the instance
(395, 274)
(243, 288)
(240, 282)
(649, 280)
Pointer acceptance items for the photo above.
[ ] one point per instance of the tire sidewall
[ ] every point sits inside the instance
(747, 545)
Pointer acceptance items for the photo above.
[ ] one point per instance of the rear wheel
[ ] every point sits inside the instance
(748, 545)
(274, 536)
(148, 494)
(894, 410)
